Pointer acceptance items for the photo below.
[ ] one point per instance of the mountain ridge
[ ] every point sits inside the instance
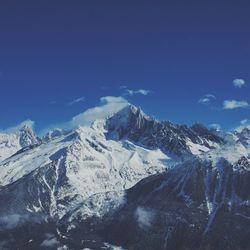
(78, 186)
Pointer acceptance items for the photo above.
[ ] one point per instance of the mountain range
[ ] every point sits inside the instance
(127, 181)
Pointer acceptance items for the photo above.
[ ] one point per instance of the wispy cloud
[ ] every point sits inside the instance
(10, 221)
(109, 105)
(215, 126)
(144, 217)
(50, 241)
(233, 104)
(238, 83)
(77, 100)
(139, 91)
(245, 122)
(52, 102)
(104, 87)
(123, 87)
(132, 92)
(207, 99)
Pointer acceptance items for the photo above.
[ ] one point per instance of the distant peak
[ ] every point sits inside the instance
(27, 136)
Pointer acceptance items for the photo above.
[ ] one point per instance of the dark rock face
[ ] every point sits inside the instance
(132, 124)
(194, 206)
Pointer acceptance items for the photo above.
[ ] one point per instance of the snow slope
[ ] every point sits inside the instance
(85, 164)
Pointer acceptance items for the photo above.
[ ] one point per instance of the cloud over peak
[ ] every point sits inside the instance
(108, 106)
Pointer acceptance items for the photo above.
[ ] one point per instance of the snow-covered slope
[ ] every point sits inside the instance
(72, 182)
(237, 145)
(84, 163)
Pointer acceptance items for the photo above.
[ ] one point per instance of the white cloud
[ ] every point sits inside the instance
(138, 91)
(132, 92)
(109, 105)
(50, 241)
(238, 83)
(144, 217)
(245, 122)
(207, 99)
(123, 87)
(10, 221)
(233, 104)
(215, 126)
(77, 100)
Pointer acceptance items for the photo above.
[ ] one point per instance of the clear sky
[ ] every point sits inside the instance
(58, 58)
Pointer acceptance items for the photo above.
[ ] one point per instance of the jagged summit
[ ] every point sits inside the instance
(132, 124)
(124, 120)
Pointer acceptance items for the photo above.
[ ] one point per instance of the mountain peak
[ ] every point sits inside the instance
(16, 139)
(132, 124)
(125, 120)
(26, 126)
(27, 136)
(128, 111)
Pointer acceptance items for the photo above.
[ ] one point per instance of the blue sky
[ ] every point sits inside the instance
(58, 58)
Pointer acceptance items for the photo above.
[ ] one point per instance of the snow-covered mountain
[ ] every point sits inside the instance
(75, 189)
(11, 142)
(178, 140)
